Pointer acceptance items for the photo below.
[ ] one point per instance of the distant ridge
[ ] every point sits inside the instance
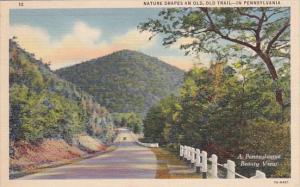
(126, 80)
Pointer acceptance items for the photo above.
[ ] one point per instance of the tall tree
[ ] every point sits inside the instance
(264, 31)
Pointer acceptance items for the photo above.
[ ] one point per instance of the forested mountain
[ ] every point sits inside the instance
(125, 81)
(42, 105)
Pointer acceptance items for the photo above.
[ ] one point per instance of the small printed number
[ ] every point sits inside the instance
(281, 182)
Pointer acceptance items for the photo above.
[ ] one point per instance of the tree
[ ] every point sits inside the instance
(43, 106)
(226, 110)
(130, 120)
(154, 123)
(264, 31)
(171, 109)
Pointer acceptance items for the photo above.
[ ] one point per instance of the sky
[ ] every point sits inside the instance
(69, 36)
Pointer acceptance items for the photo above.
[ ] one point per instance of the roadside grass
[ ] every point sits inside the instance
(171, 167)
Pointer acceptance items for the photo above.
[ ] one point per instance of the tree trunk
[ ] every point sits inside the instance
(267, 60)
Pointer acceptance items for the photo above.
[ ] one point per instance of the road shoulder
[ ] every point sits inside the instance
(170, 167)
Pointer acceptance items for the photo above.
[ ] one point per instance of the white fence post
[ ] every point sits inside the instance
(188, 154)
(230, 166)
(193, 157)
(184, 152)
(204, 164)
(180, 152)
(198, 160)
(214, 165)
(259, 175)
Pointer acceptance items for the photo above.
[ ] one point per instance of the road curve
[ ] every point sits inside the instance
(129, 160)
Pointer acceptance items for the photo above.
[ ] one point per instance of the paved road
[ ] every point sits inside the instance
(129, 160)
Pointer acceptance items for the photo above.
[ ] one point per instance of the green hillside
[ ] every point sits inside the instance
(125, 81)
(42, 105)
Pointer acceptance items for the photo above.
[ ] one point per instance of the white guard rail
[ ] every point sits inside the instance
(147, 144)
(198, 160)
(144, 144)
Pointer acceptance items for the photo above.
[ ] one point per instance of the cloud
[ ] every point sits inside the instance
(183, 41)
(82, 34)
(82, 43)
(135, 40)
(34, 39)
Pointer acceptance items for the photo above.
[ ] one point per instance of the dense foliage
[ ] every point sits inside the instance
(235, 108)
(45, 106)
(125, 81)
(227, 110)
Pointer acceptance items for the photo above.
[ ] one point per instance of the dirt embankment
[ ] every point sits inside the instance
(26, 157)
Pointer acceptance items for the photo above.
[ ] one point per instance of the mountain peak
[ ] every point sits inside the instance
(126, 80)
(127, 51)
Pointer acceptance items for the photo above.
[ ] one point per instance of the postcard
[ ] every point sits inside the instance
(150, 93)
